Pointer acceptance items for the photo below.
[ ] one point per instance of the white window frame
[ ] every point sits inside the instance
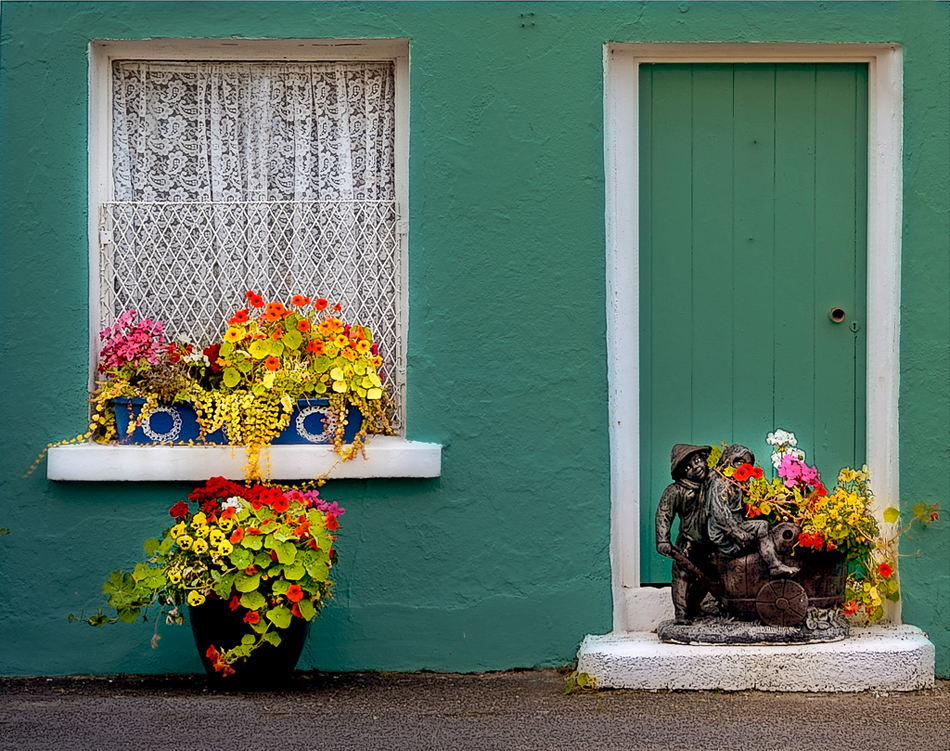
(394, 456)
(639, 608)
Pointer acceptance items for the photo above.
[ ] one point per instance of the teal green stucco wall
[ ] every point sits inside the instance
(502, 561)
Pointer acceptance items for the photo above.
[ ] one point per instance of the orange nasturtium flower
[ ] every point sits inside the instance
(315, 347)
(341, 341)
(321, 303)
(325, 328)
(233, 335)
(303, 325)
(272, 363)
(363, 346)
(298, 300)
(239, 317)
(254, 299)
(294, 593)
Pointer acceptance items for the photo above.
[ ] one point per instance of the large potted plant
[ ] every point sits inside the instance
(275, 367)
(847, 561)
(251, 565)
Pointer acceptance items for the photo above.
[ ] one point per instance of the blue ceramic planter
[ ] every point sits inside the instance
(311, 422)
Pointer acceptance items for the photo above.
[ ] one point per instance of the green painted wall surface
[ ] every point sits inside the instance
(502, 561)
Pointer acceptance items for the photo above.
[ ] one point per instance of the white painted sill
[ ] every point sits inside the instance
(386, 456)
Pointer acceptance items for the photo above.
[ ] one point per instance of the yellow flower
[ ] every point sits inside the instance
(195, 598)
(846, 475)
(184, 542)
(215, 537)
(225, 548)
(199, 519)
(233, 335)
(178, 530)
(174, 576)
(226, 525)
(200, 546)
(202, 531)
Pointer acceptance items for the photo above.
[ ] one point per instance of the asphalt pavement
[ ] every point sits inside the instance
(515, 710)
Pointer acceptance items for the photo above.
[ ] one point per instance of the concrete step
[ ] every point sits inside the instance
(875, 658)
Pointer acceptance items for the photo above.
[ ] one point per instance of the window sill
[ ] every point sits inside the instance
(387, 456)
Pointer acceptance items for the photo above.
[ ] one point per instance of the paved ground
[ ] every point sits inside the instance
(517, 711)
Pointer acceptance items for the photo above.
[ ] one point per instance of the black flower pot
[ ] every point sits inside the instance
(267, 667)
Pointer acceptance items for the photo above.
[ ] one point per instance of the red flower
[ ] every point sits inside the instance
(294, 593)
(315, 347)
(212, 654)
(179, 510)
(332, 523)
(250, 570)
(885, 570)
(228, 513)
(269, 495)
(273, 555)
(272, 363)
(295, 610)
(321, 303)
(303, 325)
(757, 473)
(850, 607)
(337, 307)
(237, 535)
(235, 603)
(742, 473)
(255, 299)
(239, 317)
(298, 300)
(252, 617)
(281, 505)
(212, 354)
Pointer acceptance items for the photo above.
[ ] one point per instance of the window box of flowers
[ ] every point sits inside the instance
(251, 565)
(296, 374)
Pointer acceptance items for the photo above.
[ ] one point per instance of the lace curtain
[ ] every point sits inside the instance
(219, 131)
(268, 176)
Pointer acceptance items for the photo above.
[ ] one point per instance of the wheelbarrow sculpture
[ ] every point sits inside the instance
(738, 580)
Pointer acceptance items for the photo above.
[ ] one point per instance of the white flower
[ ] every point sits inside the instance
(781, 438)
(232, 502)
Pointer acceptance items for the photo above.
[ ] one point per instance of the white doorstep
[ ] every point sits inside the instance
(878, 658)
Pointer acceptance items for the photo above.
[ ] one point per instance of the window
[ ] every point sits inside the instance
(227, 166)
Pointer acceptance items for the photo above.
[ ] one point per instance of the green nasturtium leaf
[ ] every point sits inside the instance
(336, 374)
(248, 639)
(280, 616)
(245, 583)
(320, 364)
(226, 349)
(276, 347)
(294, 571)
(232, 377)
(293, 339)
(259, 349)
(253, 600)
(339, 386)
(891, 514)
(241, 557)
(374, 394)
(152, 546)
(272, 637)
(307, 610)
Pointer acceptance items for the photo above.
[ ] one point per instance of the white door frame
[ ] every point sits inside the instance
(636, 608)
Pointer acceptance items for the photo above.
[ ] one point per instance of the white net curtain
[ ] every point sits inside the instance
(229, 176)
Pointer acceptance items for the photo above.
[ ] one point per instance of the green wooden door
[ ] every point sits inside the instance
(753, 227)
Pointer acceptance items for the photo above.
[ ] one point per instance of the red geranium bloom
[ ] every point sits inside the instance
(321, 303)
(295, 593)
(179, 510)
(252, 617)
(272, 363)
(235, 603)
(885, 570)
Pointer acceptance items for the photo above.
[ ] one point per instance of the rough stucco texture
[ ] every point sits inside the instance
(503, 561)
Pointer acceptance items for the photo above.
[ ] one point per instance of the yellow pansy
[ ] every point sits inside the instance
(226, 525)
(195, 598)
(225, 548)
(200, 546)
(178, 530)
(215, 537)
(185, 541)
